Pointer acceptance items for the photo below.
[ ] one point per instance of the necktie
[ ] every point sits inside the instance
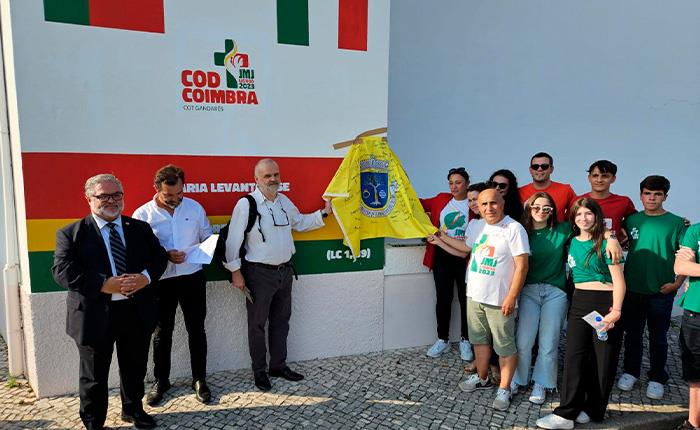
(117, 247)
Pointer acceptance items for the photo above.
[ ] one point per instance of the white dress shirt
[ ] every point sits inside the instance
(187, 226)
(277, 219)
(104, 230)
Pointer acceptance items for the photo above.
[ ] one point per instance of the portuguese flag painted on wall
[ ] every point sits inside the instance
(137, 15)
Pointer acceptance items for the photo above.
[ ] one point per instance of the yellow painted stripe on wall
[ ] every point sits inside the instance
(41, 233)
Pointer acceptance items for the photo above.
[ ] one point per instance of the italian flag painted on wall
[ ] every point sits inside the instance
(148, 15)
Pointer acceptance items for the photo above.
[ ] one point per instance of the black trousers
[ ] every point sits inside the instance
(189, 291)
(448, 271)
(271, 289)
(589, 364)
(654, 311)
(132, 339)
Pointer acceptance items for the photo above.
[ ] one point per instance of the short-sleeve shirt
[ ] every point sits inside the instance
(563, 195)
(690, 300)
(491, 264)
(615, 209)
(653, 242)
(547, 261)
(454, 218)
(585, 269)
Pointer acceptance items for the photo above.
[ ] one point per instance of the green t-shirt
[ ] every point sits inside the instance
(653, 241)
(595, 269)
(691, 298)
(547, 261)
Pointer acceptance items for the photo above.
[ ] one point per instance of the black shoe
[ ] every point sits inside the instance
(262, 381)
(287, 374)
(140, 419)
(155, 396)
(201, 391)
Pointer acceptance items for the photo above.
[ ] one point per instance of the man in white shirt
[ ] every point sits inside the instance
(266, 269)
(179, 223)
(496, 273)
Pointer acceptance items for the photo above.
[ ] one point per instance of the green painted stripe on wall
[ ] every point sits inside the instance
(67, 11)
(312, 257)
(293, 22)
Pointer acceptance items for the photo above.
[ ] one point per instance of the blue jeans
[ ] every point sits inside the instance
(654, 311)
(542, 310)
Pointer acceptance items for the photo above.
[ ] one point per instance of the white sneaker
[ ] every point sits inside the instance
(583, 418)
(655, 390)
(473, 383)
(502, 400)
(553, 422)
(626, 382)
(439, 347)
(538, 394)
(465, 350)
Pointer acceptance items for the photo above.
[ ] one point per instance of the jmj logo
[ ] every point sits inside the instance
(634, 233)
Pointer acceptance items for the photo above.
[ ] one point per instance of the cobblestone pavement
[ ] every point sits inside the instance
(400, 389)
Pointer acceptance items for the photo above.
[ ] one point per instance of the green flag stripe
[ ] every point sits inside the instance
(293, 22)
(67, 11)
(312, 257)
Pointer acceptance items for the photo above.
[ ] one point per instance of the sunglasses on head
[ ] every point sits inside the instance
(544, 209)
(544, 166)
(456, 170)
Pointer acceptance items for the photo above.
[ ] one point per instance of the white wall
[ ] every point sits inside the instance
(487, 83)
(3, 261)
(379, 310)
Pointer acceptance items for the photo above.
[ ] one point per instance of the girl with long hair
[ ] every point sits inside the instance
(543, 301)
(507, 185)
(590, 361)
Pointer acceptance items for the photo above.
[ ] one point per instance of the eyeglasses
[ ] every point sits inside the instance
(104, 198)
(274, 220)
(500, 185)
(544, 166)
(545, 209)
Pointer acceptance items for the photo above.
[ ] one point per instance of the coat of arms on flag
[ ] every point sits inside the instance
(372, 197)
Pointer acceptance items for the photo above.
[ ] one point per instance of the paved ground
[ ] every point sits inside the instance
(400, 389)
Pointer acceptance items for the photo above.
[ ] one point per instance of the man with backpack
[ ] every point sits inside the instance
(265, 268)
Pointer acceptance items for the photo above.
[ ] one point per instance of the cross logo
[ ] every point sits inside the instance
(233, 61)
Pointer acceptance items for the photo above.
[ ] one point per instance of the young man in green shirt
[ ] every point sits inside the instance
(654, 237)
(688, 264)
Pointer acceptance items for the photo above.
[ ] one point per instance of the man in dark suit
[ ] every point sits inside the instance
(107, 261)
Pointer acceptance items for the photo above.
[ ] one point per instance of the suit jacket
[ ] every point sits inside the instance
(81, 265)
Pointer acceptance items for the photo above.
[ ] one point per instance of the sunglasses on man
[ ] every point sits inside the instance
(544, 166)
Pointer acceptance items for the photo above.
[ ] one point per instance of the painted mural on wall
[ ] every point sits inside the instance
(211, 86)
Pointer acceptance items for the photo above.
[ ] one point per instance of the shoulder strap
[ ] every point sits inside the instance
(252, 212)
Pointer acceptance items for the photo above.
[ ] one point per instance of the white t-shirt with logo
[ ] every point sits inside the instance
(454, 218)
(491, 264)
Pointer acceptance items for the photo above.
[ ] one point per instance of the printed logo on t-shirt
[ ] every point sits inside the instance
(634, 233)
(571, 261)
(452, 223)
(487, 265)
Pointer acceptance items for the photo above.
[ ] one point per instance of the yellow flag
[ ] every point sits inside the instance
(372, 197)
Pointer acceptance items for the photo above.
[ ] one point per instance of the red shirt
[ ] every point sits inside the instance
(615, 210)
(563, 195)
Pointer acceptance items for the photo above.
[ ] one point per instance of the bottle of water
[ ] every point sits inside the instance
(602, 335)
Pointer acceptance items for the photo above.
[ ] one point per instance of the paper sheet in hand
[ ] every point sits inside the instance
(202, 253)
(594, 319)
